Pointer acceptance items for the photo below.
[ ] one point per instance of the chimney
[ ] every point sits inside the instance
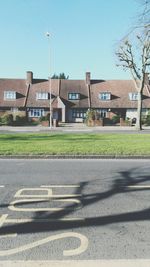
(88, 78)
(29, 77)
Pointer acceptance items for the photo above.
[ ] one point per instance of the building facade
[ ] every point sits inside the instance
(70, 99)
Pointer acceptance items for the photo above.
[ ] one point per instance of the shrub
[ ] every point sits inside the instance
(90, 115)
(43, 118)
(7, 119)
(20, 120)
(116, 119)
(143, 119)
(147, 120)
(48, 116)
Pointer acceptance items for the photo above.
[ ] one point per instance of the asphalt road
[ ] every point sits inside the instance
(76, 210)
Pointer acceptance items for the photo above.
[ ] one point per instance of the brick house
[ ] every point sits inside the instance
(70, 99)
(13, 93)
(118, 97)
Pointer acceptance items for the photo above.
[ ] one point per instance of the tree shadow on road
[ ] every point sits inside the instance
(56, 220)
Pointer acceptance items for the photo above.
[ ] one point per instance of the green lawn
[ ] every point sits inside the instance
(74, 144)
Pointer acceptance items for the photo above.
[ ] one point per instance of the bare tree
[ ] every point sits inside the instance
(144, 16)
(136, 58)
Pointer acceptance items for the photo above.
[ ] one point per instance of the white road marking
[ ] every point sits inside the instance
(14, 208)
(71, 252)
(9, 221)
(61, 186)
(19, 192)
(52, 196)
(37, 198)
(8, 235)
(3, 219)
(66, 196)
(78, 263)
(138, 186)
(49, 193)
(2, 186)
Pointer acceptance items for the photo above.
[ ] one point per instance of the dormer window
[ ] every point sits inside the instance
(73, 96)
(42, 96)
(105, 96)
(9, 95)
(133, 96)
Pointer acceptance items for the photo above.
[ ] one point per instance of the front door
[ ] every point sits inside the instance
(57, 114)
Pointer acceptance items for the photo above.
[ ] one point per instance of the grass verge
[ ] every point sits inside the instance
(75, 144)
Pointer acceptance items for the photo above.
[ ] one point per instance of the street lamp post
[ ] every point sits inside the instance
(50, 83)
(50, 103)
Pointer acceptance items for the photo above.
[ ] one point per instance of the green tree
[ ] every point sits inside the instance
(60, 76)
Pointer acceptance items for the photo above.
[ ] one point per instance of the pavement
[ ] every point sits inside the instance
(73, 127)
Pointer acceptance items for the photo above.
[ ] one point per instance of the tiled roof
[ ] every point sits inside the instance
(17, 85)
(26, 94)
(39, 87)
(119, 90)
(75, 86)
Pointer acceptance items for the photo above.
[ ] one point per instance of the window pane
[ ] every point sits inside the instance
(78, 113)
(73, 96)
(105, 96)
(42, 95)
(133, 96)
(9, 95)
(36, 113)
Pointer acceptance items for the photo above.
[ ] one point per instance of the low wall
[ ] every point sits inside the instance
(99, 122)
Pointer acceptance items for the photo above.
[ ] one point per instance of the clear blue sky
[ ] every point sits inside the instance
(84, 36)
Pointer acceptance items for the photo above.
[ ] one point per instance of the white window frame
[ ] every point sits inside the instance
(102, 112)
(79, 113)
(36, 112)
(42, 96)
(133, 96)
(73, 96)
(9, 95)
(105, 96)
